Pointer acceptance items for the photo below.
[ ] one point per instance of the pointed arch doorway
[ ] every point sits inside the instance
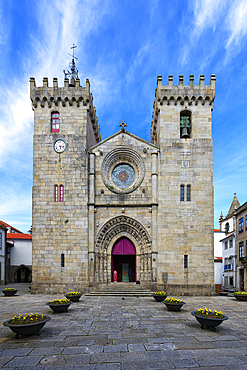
(123, 258)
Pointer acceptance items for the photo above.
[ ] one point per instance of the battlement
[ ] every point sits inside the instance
(185, 94)
(68, 95)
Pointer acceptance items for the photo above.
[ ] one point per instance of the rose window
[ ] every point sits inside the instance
(123, 176)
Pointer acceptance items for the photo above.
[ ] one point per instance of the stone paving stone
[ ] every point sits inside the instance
(198, 345)
(210, 361)
(24, 361)
(16, 352)
(159, 340)
(148, 365)
(187, 353)
(53, 360)
(5, 359)
(116, 348)
(86, 342)
(237, 367)
(136, 347)
(47, 351)
(155, 355)
(105, 357)
(184, 362)
(82, 350)
(133, 356)
(129, 340)
(171, 354)
(158, 347)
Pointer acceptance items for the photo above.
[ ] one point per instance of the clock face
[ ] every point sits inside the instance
(59, 146)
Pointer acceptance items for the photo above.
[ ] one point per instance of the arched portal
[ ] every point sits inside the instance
(123, 260)
(118, 227)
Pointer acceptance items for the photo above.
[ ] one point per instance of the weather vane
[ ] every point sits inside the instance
(73, 73)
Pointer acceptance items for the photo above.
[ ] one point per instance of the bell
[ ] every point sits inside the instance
(185, 132)
(72, 82)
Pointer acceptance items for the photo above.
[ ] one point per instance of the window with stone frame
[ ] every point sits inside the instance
(185, 124)
(226, 244)
(227, 228)
(188, 193)
(181, 193)
(61, 193)
(240, 225)
(55, 193)
(230, 243)
(241, 249)
(55, 122)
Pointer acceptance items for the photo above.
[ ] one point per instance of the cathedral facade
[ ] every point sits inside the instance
(123, 209)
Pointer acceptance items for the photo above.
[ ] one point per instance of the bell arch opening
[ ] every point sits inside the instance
(123, 261)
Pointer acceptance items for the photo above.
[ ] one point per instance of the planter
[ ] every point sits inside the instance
(59, 307)
(9, 293)
(73, 298)
(159, 298)
(241, 297)
(207, 321)
(26, 329)
(173, 306)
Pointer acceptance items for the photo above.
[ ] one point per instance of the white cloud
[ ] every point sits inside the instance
(207, 14)
(236, 22)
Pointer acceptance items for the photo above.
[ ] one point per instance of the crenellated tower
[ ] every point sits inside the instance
(182, 129)
(65, 126)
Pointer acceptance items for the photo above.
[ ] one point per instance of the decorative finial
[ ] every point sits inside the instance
(221, 217)
(123, 125)
(73, 73)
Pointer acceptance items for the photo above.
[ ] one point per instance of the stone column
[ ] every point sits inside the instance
(91, 220)
(154, 215)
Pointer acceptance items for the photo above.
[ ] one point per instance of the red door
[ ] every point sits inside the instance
(123, 252)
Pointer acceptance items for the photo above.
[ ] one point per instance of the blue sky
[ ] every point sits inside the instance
(121, 47)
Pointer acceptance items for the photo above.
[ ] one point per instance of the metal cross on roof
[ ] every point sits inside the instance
(73, 73)
(123, 125)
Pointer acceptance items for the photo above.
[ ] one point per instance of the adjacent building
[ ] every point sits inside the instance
(241, 243)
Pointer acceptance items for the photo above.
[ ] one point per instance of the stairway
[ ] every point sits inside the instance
(121, 290)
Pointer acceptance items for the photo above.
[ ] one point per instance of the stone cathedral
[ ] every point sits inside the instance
(123, 209)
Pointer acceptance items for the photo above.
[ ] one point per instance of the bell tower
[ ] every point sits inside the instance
(182, 128)
(65, 126)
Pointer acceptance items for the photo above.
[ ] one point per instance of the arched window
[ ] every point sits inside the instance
(55, 193)
(185, 124)
(227, 228)
(55, 122)
(188, 193)
(61, 187)
(182, 193)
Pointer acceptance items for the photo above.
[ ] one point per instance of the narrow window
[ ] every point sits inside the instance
(0, 244)
(241, 225)
(241, 249)
(231, 281)
(246, 248)
(185, 124)
(55, 122)
(246, 223)
(226, 245)
(61, 193)
(226, 281)
(62, 260)
(231, 244)
(181, 193)
(55, 193)
(188, 193)
(185, 261)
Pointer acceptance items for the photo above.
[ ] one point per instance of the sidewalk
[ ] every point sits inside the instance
(109, 333)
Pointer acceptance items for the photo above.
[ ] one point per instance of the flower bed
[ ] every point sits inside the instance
(240, 296)
(209, 313)
(59, 305)
(27, 324)
(9, 291)
(27, 319)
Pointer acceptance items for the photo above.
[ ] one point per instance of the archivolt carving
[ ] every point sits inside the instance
(123, 224)
(118, 156)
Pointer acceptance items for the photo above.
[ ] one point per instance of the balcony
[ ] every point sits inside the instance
(228, 267)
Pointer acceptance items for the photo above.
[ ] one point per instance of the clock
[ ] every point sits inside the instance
(59, 146)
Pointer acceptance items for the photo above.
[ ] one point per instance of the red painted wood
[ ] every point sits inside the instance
(123, 246)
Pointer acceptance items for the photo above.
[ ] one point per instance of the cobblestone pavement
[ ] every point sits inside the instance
(108, 333)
